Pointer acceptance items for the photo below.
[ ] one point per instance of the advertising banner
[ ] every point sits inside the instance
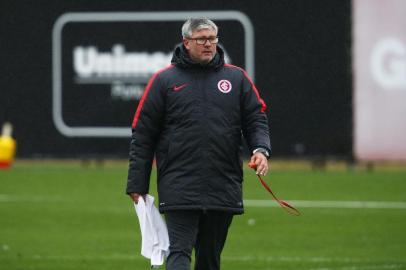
(379, 51)
(103, 61)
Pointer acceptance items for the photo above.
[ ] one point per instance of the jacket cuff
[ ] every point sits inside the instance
(263, 151)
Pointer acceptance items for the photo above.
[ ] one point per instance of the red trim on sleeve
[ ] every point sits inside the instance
(144, 96)
(263, 105)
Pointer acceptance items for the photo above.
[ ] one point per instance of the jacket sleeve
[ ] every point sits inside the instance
(146, 128)
(254, 120)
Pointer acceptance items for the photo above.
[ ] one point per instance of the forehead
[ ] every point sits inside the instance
(206, 32)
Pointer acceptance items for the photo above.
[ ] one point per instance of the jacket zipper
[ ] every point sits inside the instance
(205, 139)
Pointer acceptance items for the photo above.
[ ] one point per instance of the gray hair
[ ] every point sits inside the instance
(196, 24)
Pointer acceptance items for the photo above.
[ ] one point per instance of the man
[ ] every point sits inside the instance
(191, 117)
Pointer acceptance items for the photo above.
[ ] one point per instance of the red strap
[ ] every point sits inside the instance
(287, 207)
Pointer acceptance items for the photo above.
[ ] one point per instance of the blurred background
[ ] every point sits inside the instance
(331, 72)
(299, 53)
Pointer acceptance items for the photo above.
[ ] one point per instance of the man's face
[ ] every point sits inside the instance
(201, 53)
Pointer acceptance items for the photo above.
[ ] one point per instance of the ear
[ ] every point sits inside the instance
(186, 43)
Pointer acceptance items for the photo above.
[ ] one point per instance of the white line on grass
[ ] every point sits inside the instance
(248, 203)
(364, 267)
(329, 204)
(136, 257)
(249, 258)
(246, 258)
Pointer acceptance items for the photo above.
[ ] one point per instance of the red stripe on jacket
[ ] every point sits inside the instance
(144, 96)
(263, 105)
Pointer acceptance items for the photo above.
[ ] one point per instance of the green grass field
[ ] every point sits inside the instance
(64, 216)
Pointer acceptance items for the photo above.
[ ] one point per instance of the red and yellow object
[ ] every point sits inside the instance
(7, 146)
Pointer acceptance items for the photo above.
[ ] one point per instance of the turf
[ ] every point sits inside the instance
(59, 216)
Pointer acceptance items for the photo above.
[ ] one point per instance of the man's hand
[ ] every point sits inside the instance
(135, 197)
(261, 162)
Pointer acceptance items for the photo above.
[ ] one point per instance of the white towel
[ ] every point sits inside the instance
(155, 240)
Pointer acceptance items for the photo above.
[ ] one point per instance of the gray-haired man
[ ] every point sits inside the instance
(191, 118)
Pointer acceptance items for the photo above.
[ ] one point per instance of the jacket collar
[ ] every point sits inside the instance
(182, 59)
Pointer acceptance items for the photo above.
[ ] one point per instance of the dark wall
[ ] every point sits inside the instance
(302, 63)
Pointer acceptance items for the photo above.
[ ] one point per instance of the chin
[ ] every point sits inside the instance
(206, 60)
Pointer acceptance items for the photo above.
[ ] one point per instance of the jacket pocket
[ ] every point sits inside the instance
(162, 154)
(235, 150)
(167, 153)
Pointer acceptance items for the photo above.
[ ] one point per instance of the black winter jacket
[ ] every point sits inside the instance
(191, 117)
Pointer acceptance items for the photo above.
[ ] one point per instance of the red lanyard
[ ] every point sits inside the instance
(287, 207)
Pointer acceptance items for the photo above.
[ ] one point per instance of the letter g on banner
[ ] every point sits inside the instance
(388, 64)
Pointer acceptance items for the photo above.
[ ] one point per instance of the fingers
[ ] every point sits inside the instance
(252, 160)
(261, 162)
(262, 168)
(135, 197)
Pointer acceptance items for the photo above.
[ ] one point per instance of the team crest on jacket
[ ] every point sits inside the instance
(224, 86)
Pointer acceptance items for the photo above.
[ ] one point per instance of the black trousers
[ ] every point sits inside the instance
(205, 231)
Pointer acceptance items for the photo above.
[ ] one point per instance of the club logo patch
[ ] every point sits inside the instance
(224, 86)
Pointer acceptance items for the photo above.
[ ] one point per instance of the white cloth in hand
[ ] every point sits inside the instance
(155, 240)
